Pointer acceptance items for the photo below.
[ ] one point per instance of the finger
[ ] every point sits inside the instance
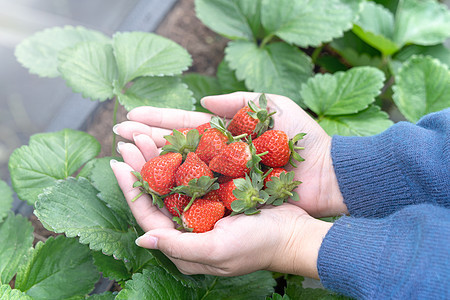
(228, 105)
(168, 118)
(128, 128)
(146, 145)
(131, 155)
(147, 215)
(188, 247)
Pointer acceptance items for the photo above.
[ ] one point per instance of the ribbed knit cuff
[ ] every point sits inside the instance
(349, 257)
(368, 175)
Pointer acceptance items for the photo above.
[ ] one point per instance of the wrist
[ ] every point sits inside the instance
(331, 194)
(299, 251)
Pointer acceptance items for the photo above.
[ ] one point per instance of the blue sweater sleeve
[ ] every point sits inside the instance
(405, 255)
(407, 164)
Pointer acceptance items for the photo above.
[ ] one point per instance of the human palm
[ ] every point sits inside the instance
(319, 193)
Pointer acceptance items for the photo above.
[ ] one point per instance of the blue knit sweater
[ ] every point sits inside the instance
(396, 242)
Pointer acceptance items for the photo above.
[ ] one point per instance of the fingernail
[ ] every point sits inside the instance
(135, 135)
(112, 162)
(119, 144)
(128, 116)
(115, 129)
(147, 241)
(202, 102)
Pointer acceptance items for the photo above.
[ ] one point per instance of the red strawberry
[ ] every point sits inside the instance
(159, 172)
(211, 143)
(232, 160)
(183, 141)
(182, 130)
(251, 119)
(193, 167)
(275, 172)
(194, 178)
(203, 215)
(157, 176)
(222, 178)
(175, 203)
(212, 195)
(280, 188)
(278, 147)
(202, 128)
(226, 195)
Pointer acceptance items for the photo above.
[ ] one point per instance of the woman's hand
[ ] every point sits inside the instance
(319, 193)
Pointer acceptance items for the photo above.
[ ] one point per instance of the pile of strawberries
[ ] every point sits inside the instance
(218, 169)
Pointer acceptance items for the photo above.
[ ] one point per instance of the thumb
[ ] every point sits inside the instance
(192, 247)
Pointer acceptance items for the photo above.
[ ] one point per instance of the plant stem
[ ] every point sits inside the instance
(266, 40)
(316, 53)
(116, 106)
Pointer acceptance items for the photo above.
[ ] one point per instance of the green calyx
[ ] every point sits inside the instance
(254, 162)
(280, 189)
(249, 194)
(197, 188)
(181, 143)
(261, 114)
(145, 189)
(221, 125)
(293, 147)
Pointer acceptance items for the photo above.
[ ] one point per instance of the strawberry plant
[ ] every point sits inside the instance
(347, 63)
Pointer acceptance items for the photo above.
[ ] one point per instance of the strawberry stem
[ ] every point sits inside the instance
(190, 203)
(137, 197)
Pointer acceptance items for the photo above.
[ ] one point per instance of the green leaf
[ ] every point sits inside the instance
(103, 179)
(277, 68)
(343, 92)
(375, 26)
(421, 22)
(422, 86)
(48, 158)
(110, 267)
(437, 51)
(16, 240)
(370, 121)
(39, 53)
(90, 69)
(6, 293)
(233, 19)
(227, 79)
(58, 269)
(6, 199)
(147, 54)
(295, 290)
(255, 285)
(202, 85)
(72, 207)
(159, 92)
(103, 296)
(307, 23)
(155, 283)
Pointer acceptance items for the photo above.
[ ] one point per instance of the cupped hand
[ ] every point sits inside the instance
(319, 193)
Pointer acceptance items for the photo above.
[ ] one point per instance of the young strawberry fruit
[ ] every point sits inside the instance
(281, 187)
(280, 150)
(194, 178)
(251, 119)
(157, 176)
(175, 203)
(203, 215)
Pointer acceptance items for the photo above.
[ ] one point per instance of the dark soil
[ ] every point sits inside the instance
(181, 26)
